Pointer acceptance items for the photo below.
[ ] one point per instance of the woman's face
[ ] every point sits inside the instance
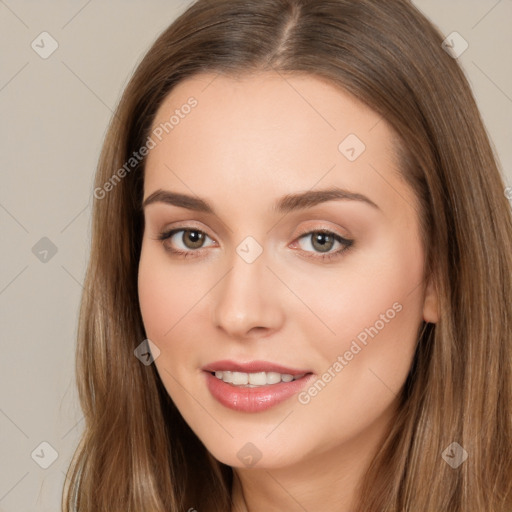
(300, 258)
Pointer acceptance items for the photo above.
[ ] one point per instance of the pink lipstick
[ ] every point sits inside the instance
(254, 386)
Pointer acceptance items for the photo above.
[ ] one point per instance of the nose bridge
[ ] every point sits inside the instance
(247, 298)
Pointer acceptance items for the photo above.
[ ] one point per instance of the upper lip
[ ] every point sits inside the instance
(252, 367)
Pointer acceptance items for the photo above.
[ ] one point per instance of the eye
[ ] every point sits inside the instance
(184, 241)
(189, 242)
(323, 242)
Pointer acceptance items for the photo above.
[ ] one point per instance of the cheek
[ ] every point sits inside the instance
(375, 292)
(165, 293)
(375, 307)
(157, 301)
(172, 298)
(166, 299)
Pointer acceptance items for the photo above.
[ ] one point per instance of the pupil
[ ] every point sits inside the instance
(324, 242)
(195, 238)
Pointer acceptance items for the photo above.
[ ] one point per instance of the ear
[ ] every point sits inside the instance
(431, 302)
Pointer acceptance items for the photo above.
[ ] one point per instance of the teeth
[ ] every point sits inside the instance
(240, 379)
(255, 379)
(258, 379)
(227, 377)
(273, 378)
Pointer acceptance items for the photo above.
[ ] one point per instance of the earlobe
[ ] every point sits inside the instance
(431, 303)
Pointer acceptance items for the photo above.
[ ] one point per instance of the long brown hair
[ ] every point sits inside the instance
(137, 454)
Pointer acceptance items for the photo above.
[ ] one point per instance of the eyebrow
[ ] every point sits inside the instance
(286, 204)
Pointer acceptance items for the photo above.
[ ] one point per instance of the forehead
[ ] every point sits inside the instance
(272, 128)
(272, 100)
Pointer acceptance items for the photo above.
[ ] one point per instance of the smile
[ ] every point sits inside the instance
(255, 386)
(255, 379)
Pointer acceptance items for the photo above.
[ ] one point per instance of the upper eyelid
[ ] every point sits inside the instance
(191, 227)
(172, 231)
(169, 233)
(302, 233)
(322, 230)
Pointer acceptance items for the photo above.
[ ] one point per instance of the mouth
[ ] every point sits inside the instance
(255, 379)
(255, 386)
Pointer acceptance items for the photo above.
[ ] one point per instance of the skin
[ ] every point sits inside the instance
(249, 141)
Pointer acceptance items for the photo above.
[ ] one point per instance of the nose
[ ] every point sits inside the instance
(247, 303)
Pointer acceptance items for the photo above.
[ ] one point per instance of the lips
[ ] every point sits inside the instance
(254, 386)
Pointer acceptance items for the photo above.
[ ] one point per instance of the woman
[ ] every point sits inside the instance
(299, 289)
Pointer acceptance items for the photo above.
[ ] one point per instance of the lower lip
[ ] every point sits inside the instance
(261, 398)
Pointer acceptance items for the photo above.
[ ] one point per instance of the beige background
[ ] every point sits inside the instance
(54, 114)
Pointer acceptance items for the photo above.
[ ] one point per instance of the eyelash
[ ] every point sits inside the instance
(346, 243)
